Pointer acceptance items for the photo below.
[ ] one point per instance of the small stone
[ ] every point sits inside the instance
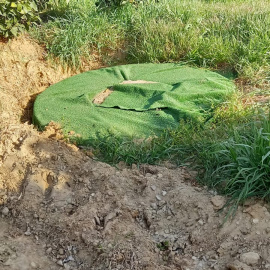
(200, 222)
(153, 205)
(161, 203)
(255, 221)
(61, 251)
(60, 262)
(153, 188)
(250, 258)
(28, 232)
(158, 197)
(164, 192)
(34, 265)
(70, 259)
(49, 250)
(5, 211)
(159, 175)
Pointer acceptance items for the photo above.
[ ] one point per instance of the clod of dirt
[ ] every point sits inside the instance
(218, 202)
(236, 265)
(250, 258)
(5, 211)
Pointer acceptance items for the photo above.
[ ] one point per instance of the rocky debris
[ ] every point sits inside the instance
(250, 258)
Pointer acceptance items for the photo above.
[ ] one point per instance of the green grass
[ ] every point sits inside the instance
(234, 35)
(172, 145)
(239, 167)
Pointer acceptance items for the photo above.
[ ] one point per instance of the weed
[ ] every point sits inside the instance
(234, 111)
(163, 245)
(231, 34)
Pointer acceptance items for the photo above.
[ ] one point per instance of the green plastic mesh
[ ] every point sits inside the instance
(157, 98)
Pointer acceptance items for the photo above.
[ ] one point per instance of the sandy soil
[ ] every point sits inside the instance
(61, 209)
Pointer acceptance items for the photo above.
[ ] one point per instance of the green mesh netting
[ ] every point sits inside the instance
(131, 100)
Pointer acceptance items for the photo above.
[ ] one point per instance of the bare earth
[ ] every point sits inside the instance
(60, 209)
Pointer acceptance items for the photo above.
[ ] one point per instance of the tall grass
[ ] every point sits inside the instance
(240, 166)
(175, 146)
(229, 34)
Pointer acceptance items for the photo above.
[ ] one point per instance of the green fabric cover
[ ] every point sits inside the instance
(138, 110)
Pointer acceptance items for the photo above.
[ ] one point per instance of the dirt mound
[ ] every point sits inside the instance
(63, 210)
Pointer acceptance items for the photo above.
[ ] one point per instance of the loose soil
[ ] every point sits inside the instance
(61, 209)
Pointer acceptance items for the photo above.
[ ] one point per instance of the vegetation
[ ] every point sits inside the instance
(239, 166)
(17, 16)
(233, 35)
